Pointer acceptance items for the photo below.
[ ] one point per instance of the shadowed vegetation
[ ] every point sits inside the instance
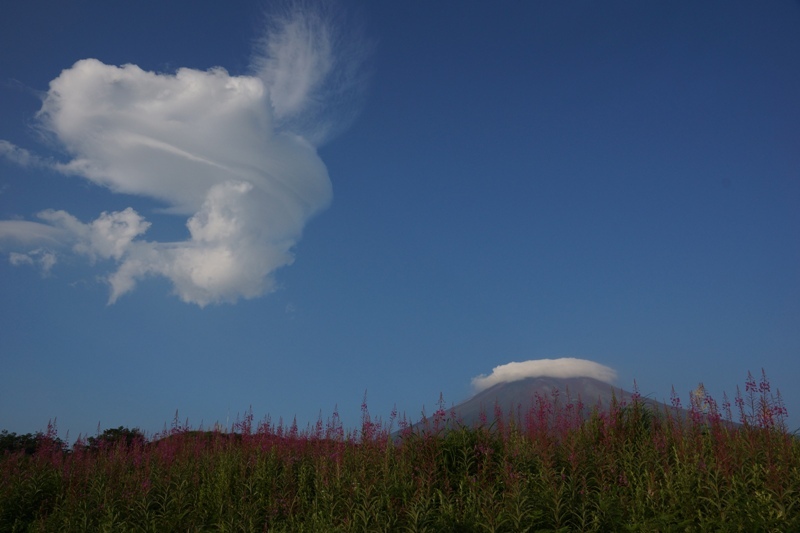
(624, 469)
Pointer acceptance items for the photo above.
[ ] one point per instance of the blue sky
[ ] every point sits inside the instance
(439, 189)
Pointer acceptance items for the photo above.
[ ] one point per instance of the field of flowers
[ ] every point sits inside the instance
(625, 468)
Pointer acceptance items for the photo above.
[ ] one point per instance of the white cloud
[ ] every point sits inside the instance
(31, 233)
(174, 137)
(18, 259)
(236, 153)
(234, 247)
(45, 259)
(15, 154)
(107, 237)
(566, 367)
(313, 60)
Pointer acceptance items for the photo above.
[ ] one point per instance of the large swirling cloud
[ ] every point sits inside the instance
(236, 154)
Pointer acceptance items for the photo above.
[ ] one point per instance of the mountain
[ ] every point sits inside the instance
(573, 397)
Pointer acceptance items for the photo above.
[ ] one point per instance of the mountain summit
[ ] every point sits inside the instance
(576, 396)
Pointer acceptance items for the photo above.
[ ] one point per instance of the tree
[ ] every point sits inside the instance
(116, 436)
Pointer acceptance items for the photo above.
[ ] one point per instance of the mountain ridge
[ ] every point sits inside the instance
(573, 397)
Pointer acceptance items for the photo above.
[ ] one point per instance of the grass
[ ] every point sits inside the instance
(628, 468)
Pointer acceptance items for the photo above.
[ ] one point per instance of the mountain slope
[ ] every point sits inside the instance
(575, 397)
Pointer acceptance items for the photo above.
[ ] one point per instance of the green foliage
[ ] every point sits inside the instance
(11, 443)
(27, 443)
(114, 437)
(629, 469)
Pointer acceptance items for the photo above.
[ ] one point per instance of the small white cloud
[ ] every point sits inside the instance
(566, 367)
(18, 259)
(111, 234)
(18, 156)
(46, 259)
(107, 237)
(236, 154)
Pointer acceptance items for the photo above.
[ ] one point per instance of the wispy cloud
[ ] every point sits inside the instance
(29, 233)
(314, 61)
(20, 156)
(235, 153)
(566, 367)
(45, 259)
